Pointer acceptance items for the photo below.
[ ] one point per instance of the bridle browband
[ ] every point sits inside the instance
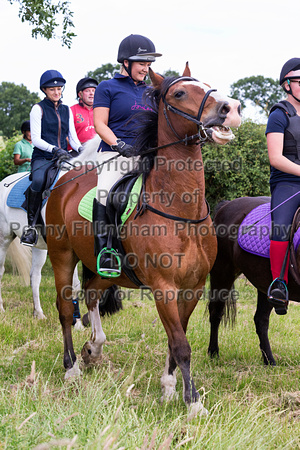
(201, 135)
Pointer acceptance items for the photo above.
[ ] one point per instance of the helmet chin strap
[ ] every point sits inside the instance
(290, 92)
(128, 70)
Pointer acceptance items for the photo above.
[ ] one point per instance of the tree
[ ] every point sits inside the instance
(105, 72)
(47, 16)
(16, 102)
(7, 166)
(171, 73)
(262, 92)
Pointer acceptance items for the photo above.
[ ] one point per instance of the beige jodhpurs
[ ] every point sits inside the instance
(112, 171)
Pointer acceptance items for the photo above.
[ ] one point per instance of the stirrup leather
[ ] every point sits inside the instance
(106, 271)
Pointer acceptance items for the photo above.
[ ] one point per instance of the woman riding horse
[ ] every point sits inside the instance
(283, 139)
(51, 123)
(115, 102)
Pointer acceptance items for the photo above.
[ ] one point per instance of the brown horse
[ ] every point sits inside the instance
(232, 261)
(182, 109)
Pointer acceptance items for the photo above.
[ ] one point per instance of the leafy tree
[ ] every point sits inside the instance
(240, 168)
(16, 102)
(105, 72)
(171, 73)
(261, 91)
(47, 16)
(7, 166)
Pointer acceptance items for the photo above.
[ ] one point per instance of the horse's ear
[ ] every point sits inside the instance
(186, 72)
(155, 78)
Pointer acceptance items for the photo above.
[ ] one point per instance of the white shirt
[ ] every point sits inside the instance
(36, 130)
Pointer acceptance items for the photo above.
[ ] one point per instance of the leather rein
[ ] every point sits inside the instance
(201, 136)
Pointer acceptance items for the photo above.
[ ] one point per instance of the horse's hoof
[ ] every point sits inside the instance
(78, 325)
(39, 315)
(196, 409)
(74, 372)
(89, 357)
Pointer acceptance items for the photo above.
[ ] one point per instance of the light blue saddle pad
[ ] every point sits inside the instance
(16, 197)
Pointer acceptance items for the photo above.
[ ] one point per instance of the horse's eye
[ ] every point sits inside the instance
(179, 94)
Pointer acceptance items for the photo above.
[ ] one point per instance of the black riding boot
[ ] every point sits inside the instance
(34, 203)
(108, 260)
(278, 296)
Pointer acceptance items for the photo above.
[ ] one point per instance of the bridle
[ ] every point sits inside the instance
(201, 135)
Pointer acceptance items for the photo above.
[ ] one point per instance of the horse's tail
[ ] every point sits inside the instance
(111, 299)
(229, 317)
(20, 258)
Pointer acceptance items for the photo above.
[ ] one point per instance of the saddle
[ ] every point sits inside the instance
(119, 206)
(254, 236)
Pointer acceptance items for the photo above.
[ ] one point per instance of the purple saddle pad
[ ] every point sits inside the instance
(254, 232)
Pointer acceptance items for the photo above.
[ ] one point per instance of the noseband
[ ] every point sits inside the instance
(201, 135)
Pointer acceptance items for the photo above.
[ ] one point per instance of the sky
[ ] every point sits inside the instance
(223, 40)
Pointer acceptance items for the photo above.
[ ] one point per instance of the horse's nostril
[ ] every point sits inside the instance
(225, 109)
(239, 110)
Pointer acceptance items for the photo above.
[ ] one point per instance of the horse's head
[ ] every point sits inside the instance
(205, 108)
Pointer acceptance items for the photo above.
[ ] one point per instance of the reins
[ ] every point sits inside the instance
(246, 230)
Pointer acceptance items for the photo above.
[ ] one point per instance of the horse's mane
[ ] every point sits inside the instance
(147, 125)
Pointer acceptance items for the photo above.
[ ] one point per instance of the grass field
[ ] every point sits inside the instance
(117, 405)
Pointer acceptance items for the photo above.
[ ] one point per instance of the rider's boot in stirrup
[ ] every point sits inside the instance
(30, 234)
(278, 296)
(108, 260)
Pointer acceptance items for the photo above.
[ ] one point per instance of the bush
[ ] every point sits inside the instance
(7, 166)
(238, 169)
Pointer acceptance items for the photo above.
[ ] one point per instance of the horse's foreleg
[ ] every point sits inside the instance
(63, 268)
(179, 349)
(92, 350)
(168, 379)
(39, 257)
(261, 320)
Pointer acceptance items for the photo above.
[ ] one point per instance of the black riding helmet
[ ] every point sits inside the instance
(136, 48)
(85, 83)
(25, 126)
(286, 74)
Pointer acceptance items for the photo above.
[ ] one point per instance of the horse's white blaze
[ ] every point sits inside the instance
(168, 383)
(233, 117)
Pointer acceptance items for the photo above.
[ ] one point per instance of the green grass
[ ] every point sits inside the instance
(251, 406)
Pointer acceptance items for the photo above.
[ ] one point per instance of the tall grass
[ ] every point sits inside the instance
(117, 405)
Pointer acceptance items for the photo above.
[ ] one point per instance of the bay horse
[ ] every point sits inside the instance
(232, 261)
(181, 110)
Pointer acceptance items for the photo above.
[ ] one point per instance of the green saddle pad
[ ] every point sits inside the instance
(85, 208)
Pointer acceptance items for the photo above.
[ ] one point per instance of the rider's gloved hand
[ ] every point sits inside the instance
(80, 149)
(123, 148)
(60, 155)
